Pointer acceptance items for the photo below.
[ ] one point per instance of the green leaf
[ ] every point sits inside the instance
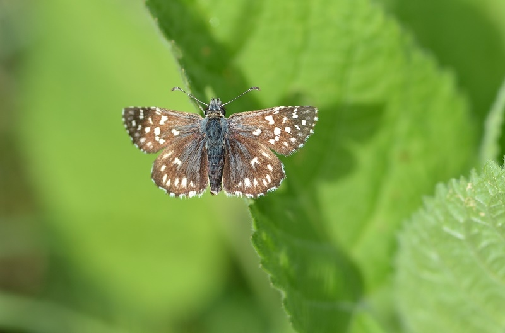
(388, 117)
(490, 146)
(319, 283)
(476, 59)
(451, 275)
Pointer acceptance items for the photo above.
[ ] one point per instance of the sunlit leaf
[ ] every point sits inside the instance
(451, 263)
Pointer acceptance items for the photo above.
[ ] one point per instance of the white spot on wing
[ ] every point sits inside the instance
(142, 140)
(157, 131)
(183, 182)
(147, 129)
(164, 178)
(270, 119)
(270, 167)
(257, 132)
(288, 129)
(272, 141)
(268, 178)
(175, 132)
(163, 167)
(277, 131)
(191, 194)
(254, 160)
(304, 122)
(163, 120)
(247, 182)
(178, 162)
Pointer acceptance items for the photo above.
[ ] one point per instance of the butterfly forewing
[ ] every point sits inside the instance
(283, 129)
(181, 169)
(152, 128)
(250, 169)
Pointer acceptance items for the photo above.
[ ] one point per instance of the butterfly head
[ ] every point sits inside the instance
(215, 109)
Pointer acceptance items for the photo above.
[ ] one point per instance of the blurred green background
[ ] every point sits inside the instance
(87, 242)
(82, 227)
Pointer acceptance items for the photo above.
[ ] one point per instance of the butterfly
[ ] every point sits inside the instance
(232, 154)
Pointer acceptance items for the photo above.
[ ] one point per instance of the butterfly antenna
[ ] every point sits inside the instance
(242, 94)
(191, 96)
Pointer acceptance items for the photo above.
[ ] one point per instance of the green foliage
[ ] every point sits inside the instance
(451, 275)
(92, 199)
(402, 106)
(14, 310)
(327, 237)
(490, 146)
(460, 34)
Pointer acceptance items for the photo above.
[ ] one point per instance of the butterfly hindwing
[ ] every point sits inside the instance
(181, 169)
(250, 169)
(283, 129)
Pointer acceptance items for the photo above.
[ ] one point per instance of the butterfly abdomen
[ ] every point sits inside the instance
(215, 130)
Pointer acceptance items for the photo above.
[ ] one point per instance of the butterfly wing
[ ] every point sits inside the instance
(182, 167)
(152, 128)
(250, 169)
(283, 129)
